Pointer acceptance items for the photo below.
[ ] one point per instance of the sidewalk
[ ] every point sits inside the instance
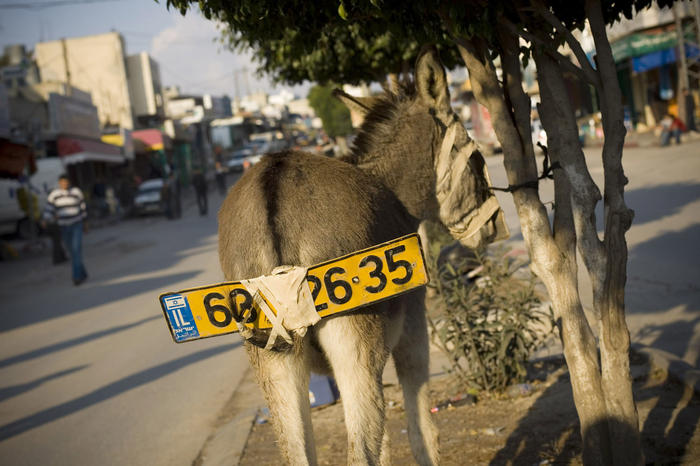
(113, 235)
(242, 428)
(646, 139)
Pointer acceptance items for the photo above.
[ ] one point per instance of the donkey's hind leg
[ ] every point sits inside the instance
(411, 358)
(284, 378)
(355, 348)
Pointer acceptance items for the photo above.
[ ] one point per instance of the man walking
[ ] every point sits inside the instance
(66, 206)
(200, 188)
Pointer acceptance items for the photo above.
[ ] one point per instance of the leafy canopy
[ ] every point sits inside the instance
(362, 40)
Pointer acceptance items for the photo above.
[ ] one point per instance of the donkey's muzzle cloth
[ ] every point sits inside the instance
(474, 218)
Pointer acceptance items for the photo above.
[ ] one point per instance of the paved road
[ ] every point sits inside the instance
(663, 286)
(89, 374)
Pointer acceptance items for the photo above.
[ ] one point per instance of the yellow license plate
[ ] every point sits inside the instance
(339, 285)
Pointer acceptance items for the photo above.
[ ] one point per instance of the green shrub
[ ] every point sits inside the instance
(490, 324)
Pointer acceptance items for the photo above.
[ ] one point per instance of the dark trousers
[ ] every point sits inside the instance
(57, 251)
(201, 193)
(73, 238)
(666, 136)
(221, 183)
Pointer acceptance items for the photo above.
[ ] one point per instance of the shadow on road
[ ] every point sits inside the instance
(9, 392)
(672, 337)
(69, 300)
(656, 202)
(37, 353)
(108, 391)
(550, 430)
(663, 274)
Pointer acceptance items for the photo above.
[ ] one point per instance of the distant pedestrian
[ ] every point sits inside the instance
(220, 178)
(689, 110)
(66, 206)
(199, 182)
(671, 125)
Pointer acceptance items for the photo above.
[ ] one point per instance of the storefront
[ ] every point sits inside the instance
(94, 166)
(647, 71)
(161, 155)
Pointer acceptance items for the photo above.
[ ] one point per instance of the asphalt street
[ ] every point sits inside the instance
(90, 375)
(663, 270)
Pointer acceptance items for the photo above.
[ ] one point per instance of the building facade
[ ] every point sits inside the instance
(95, 64)
(145, 89)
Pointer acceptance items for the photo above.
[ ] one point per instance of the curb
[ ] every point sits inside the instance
(677, 368)
(226, 444)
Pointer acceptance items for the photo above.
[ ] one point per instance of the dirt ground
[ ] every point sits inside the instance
(540, 427)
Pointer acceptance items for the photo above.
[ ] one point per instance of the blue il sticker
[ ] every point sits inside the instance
(180, 317)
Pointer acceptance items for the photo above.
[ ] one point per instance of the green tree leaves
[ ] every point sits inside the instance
(334, 115)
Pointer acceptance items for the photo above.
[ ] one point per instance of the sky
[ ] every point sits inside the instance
(184, 47)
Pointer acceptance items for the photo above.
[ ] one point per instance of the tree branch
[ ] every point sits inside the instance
(590, 78)
(571, 41)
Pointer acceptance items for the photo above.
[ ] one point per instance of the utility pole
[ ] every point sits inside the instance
(69, 88)
(237, 99)
(683, 65)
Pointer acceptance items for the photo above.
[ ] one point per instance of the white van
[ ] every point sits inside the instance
(12, 217)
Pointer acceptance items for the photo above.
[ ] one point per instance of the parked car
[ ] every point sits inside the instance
(248, 155)
(159, 196)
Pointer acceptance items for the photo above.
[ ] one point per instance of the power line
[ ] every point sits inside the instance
(49, 4)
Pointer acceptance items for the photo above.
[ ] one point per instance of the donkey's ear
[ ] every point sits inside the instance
(431, 80)
(360, 105)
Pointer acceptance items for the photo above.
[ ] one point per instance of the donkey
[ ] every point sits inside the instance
(412, 161)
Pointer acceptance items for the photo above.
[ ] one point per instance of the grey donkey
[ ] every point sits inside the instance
(412, 160)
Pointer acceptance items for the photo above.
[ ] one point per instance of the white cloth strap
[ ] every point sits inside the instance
(288, 293)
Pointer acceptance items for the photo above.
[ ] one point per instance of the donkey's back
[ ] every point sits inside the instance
(297, 208)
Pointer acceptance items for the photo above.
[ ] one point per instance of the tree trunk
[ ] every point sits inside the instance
(602, 392)
(554, 266)
(614, 337)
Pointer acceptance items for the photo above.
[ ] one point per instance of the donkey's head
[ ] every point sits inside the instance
(417, 144)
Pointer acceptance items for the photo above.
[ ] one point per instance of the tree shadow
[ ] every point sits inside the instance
(670, 337)
(106, 392)
(668, 429)
(37, 353)
(545, 432)
(14, 390)
(663, 274)
(672, 421)
(656, 202)
(26, 310)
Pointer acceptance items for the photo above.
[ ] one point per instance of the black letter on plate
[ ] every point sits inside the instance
(332, 285)
(211, 310)
(376, 273)
(240, 309)
(393, 265)
(316, 291)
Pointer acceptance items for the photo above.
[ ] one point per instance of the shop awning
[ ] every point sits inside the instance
(154, 139)
(660, 58)
(14, 159)
(125, 141)
(646, 42)
(76, 150)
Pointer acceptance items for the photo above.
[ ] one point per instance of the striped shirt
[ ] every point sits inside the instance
(65, 206)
